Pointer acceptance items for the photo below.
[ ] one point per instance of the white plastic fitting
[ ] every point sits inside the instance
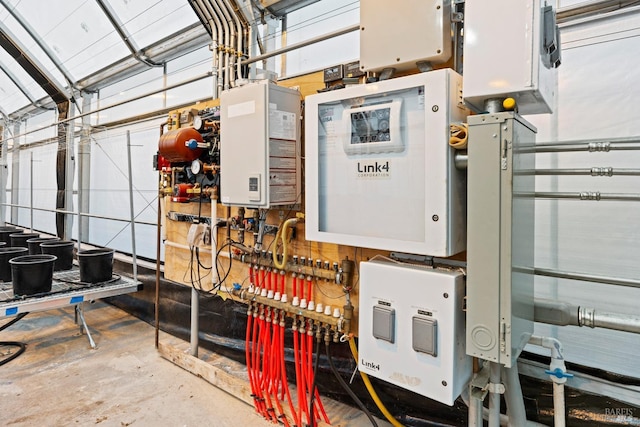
(263, 292)
(303, 303)
(270, 294)
(295, 302)
(311, 306)
(319, 308)
(336, 313)
(277, 296)
(283, 298)
(327, 310)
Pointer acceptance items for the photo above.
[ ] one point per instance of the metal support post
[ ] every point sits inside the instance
(131, 210)
(83, 324)
(31, 190)
(195, 324)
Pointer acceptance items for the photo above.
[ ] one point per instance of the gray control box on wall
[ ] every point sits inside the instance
(500, 236)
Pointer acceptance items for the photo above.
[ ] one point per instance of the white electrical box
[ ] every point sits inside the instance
(514, 57)
(260, 145)
(399, 36)
(411, 328)
(379, 169)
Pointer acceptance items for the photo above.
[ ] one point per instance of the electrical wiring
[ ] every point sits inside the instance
(346, 388)
(21, 346)
(458, 135)
(371, 390)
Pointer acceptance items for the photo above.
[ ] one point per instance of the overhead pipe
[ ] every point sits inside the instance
(219, 41)
(229, 46)
(239, 38)
(212, 19)
(225, 47)
(302, 44)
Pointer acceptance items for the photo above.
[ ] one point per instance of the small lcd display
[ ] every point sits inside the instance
(370, 126)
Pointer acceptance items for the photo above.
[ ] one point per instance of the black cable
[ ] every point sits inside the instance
(21, 346)
(314, 385)
(347, 388)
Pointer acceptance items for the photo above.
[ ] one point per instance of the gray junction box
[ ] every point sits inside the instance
(500, 236)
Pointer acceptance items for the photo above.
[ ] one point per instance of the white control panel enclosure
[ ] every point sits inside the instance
(399, 36)
(260, 145)
(505, 59)
(379, 170)
(427, 351)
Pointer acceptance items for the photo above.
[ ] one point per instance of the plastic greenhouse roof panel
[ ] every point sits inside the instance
(151, 20)
(77, 31)
(11, 97)
(22, 76)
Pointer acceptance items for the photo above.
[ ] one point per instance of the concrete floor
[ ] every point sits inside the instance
(61, 381)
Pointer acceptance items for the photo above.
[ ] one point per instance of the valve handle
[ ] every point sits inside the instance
(558, 373)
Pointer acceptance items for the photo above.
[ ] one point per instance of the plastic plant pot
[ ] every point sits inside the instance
(32, 274)
(20, 239)
(6, 231)
(34, 244)
(96, 265)
(6, 253)
(63, 249)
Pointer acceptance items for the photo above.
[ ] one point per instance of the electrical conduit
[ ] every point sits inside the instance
(371, 390)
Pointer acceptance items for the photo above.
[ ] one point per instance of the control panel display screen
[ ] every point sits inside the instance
(373, 128)
(370, 126)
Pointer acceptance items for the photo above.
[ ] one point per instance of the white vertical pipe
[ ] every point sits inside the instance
(131, 210)
(513, 397)
(239, 35)
(214, 241)
(283, 43)
(558, 405)
(227, 35)
(195, 324)
(494, 398)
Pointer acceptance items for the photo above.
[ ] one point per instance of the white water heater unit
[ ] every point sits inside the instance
(379, 169)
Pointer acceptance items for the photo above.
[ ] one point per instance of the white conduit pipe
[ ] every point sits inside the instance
(513, 397)
(227, 36)
(494, 397)
(475, 406)
(239, 41)
(232, 42)
(207, 16)
(558, 374)
(214, 242)
(217, 53)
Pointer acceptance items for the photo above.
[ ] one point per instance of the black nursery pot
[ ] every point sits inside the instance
(96, 265)
(63, 249)
(32, 274)
(6, 253)
(34, 244)
(20, 239)
(6, 231)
